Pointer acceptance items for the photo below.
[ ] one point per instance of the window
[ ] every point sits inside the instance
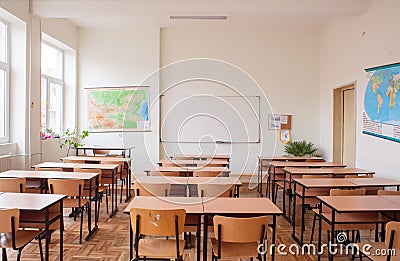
(4, 82)
(52, 88)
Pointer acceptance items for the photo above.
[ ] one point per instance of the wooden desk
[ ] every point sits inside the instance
(375, 182)
(40, 209)
(97, 159)
(201, 157)
(292, 172)
(192, 206)
(242, 207)
(126, 150)
(186, 171)
(278, 166)
(194, 163)
(62, 165)
(352, 210)
(90, 178)
(265, 161)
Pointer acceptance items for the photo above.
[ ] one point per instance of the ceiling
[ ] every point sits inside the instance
(95, 13)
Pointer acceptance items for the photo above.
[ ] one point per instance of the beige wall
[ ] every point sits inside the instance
(345, 52)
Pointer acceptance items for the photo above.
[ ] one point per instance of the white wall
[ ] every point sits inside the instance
(121, 57)
(283, 61)
(345, 52)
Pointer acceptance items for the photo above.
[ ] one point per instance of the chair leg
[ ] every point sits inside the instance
(313, 228)
(107, 201)
(19, 254)
(81, 226)
(4, 254)
(40, 248)
(122, 187)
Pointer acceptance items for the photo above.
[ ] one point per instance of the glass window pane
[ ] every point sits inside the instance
(55, 107)
(3, 42)
(52, 61)
(43, 103)
(2, 103)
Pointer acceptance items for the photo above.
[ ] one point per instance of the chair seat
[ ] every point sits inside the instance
(229, 250)
(160, 248)
(22, 237)
(373, 249)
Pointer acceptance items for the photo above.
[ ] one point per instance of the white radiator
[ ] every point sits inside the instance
(5, 162)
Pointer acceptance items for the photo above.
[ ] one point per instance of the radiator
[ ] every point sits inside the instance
(5, 162)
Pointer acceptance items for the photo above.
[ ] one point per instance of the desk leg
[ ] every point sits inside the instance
(96, 210)
(130, 241)
(273, 237)
(205, 235)
(114, 193)
(294, 218)
(332, 239)
(46, 225)
(61, 232)
(302, 215)
(198, 237)
(319, 232)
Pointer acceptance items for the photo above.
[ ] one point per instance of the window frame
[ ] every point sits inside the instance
(5, 66)
(49, 81)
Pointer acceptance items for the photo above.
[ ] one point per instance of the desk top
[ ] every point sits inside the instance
(47, 174)
(193, 162)
(28, 201)
(214, 180)
(162, 179)
(192, 205)
(373, 182)
(324, 183)
(249, 206)
(371, 203)
(55, 165)
(282, 164)
(191, 169)
(289, 158)
(319, 171)
(188, 156)
(98, 158)
(104, 147)
(98, 166)
(392, 198)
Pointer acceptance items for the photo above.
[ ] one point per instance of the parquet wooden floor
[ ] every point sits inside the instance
(111, 242)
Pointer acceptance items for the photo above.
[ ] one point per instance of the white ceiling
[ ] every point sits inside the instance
(93, 13)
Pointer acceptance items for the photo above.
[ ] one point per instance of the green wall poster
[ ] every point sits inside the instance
(118, 108)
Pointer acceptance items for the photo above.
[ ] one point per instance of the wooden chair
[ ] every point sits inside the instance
(207, 173)
(101, 152)
(215, 190)
(13, 237)
(165, 173)
(77, 161)
(101, 189)
(238, 237)
(74, 189)
(152, 189)
(12, 185)
(123, 177)
(315, 160)
(391, 245)
(154, 224)
(370, 191)
(382, 192)
(347, 192)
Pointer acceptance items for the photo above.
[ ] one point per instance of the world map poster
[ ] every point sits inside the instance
(381, 116)
(118, 108)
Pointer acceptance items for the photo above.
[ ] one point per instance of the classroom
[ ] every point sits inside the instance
(199, 130)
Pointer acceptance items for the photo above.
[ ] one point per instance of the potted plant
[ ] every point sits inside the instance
(301, 148)
(73, 138)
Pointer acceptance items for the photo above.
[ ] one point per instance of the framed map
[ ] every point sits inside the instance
(381, 116)
(118, 108)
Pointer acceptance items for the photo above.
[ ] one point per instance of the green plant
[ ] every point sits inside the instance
(73, 138)
(300, 148)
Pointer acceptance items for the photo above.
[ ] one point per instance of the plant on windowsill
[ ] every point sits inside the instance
(301, 148)
(73, 139)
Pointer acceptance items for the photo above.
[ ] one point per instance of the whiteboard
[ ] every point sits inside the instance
(210, 119)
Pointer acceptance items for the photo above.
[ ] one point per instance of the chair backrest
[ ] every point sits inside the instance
(78, 161)
(69, 187)
(358, 176)
(393, 226)
(383, 192)
(165, 173)
(90, 171)
(152, 189)
(240, 230)
(347, 192)
(12, 185)
(316, 176)
(206, 173)
(101, 152)
(152, 222)
(48, 169)
(5, 217)
(111, 162)
(215, 190)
